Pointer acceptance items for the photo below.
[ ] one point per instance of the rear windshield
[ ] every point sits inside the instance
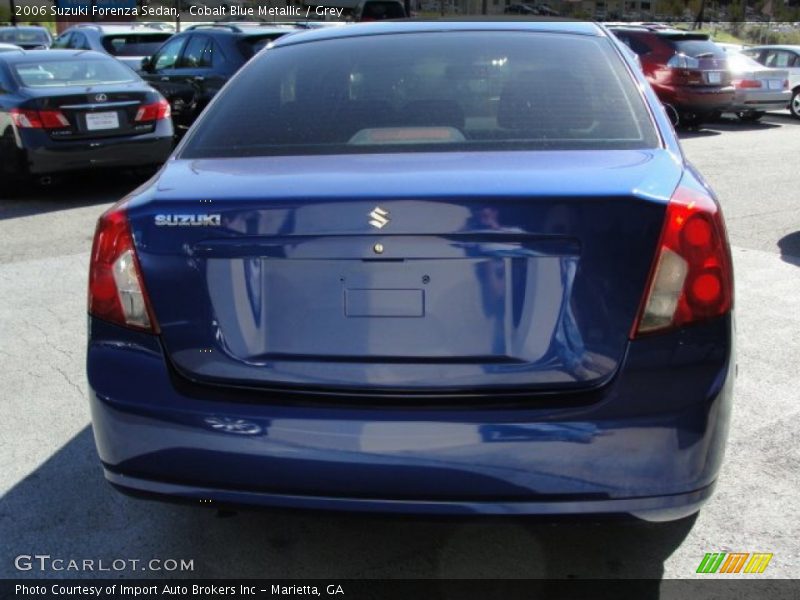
(740, 62)
(136, 44)
(696, 47)
(24, 36)
(83, 71)
(445, 92)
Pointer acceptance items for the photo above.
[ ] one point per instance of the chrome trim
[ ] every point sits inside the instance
(104, 105)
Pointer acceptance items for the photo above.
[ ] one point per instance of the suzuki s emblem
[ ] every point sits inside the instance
(379, 218)
(101, 98)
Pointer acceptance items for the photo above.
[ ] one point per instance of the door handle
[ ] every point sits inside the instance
(200, 78)
(165, 79)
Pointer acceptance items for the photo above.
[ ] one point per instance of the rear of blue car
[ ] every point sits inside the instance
(419, 268)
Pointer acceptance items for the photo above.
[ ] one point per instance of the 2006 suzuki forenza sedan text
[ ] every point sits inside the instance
(420, 267)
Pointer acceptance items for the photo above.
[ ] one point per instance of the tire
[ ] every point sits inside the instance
(794, 105)
(751, 116)
(672, 115)
(692, 120)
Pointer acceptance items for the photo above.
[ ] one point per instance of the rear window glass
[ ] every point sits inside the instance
(24, 36)
(84, 71)
(741, 62)
(446, 92)
(134, 44)
(694, 47)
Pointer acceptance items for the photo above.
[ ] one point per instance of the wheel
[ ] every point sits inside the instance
(692, 120)
(794, 105)
(672, 114)
(750, 116)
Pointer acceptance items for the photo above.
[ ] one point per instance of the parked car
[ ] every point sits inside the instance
(27, 37)
(63, 110)
(127, 43)
(520, 9)
(782, 57)
(192, 66)
(730, 48)
(419, 267)
(688, 71)
(758, 88)
(10, 48)
(379, 10)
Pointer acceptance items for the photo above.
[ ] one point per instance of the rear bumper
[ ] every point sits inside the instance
(655, 508)
(45, 156)
(652, 446)
(749, 100)
(696, 98)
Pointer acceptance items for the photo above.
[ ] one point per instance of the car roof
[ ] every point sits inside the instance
(49, 55)
(655, 30)
(240, 28)
(25, 27)
(775, 47)
(119, 29)
(445, 25)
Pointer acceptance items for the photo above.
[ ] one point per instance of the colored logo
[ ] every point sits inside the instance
(734, 562)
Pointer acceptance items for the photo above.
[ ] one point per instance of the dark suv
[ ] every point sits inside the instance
(379, 10)
(686, 69)
(192, 66)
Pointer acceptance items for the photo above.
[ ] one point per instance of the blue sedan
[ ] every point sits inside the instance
(420, 267)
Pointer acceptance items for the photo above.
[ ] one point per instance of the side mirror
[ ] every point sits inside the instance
(147, 64)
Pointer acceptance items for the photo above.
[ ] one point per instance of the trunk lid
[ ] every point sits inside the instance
(498, 270)
(97, 112)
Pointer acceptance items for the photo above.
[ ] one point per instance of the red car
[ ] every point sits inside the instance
(686, 69)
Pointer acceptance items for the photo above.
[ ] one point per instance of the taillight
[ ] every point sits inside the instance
(746, 83)
(116, 288)
(692, 278)
(38, 119)
(153, 112)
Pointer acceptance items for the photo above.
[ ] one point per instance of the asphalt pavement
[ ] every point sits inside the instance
(53, 498)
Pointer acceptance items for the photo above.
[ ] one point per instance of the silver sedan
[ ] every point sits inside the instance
(758, 88)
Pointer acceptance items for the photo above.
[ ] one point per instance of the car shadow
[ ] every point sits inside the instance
(726, 124)
(702, 131)
(790, 248)
(782, 118)
(732, 124)
(65, 509)
(69, 191)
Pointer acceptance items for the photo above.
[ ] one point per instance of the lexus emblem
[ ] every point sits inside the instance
(379, 218)
(101, 98)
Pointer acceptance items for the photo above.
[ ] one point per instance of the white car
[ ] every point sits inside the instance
(758, 88)
(781, 57)
(731, 48)
(9, 48)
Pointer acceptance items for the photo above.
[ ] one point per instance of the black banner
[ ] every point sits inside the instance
(711, 588)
